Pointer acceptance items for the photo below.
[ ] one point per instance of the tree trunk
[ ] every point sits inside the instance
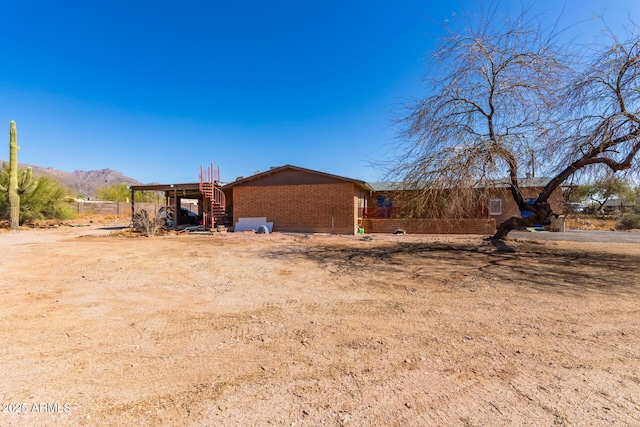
(541, 214)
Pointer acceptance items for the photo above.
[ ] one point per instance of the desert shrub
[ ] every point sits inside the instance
(147, 225)
(47, 201)
(121, 193)
(114, 193)
(628, 222)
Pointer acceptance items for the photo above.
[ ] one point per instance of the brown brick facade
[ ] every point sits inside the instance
(484, 226)
(315, 208)
(509, 207)
(302, 200)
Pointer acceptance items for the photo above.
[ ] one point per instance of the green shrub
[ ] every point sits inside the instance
(47, 201)
(628, 222)
(122, 193)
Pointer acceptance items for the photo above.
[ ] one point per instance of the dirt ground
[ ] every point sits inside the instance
(245, 329)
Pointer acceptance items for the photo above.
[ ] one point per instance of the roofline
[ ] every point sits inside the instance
(497, 183)
(300, 169)
(166, 187)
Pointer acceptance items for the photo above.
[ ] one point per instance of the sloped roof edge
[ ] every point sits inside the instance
(386, 186)
(298, 169)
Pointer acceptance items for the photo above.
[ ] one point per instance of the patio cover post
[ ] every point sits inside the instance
(133, 209)
(175, 208)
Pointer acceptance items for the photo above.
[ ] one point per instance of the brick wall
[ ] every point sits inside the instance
(484, 226)
(301, 208)
(509, 207)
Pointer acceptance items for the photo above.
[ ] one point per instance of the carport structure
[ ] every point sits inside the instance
(173, 195)
(211, 199)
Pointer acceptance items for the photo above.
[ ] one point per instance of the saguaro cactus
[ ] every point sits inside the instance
(16, 187)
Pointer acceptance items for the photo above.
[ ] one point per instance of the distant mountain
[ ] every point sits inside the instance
(82, 183)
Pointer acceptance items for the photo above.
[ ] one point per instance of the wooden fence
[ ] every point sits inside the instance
(113, 208)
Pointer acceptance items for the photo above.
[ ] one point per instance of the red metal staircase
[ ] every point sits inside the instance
(209, 180)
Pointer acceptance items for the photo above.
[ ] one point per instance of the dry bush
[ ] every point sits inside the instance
(629, 222)
(146, 224)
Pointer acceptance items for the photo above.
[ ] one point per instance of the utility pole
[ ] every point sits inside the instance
(533, 165)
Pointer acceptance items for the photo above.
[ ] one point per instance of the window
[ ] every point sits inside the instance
(362, 202)
(384, 201)
(495, 206)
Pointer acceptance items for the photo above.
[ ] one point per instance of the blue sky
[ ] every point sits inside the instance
(154, 89)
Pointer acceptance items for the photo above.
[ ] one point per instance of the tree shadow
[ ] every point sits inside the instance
(542, 267)
(500, 245)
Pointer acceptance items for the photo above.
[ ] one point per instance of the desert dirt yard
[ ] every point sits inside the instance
(245, 329)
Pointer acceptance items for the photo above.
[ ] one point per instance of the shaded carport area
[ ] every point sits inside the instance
(173, 196)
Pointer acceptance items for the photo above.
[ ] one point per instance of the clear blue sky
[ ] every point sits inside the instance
(154, 89)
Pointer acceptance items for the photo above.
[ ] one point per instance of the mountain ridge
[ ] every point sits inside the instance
(81, 182)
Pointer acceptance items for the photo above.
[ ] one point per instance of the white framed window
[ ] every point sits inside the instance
(495, 206)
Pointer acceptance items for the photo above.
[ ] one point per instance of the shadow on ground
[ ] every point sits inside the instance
(530, 266)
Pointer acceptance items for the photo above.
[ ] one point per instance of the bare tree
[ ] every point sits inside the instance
(501, 90)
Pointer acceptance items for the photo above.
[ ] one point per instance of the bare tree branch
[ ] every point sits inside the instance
(501, 88)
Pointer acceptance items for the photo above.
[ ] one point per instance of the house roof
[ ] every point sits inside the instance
(503, 183)
(616, 203)
(385, 186)
(529, 182)
(291, 168)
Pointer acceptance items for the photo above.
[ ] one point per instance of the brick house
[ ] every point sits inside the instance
(296, 199)
(300, 200)
(385, 213)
